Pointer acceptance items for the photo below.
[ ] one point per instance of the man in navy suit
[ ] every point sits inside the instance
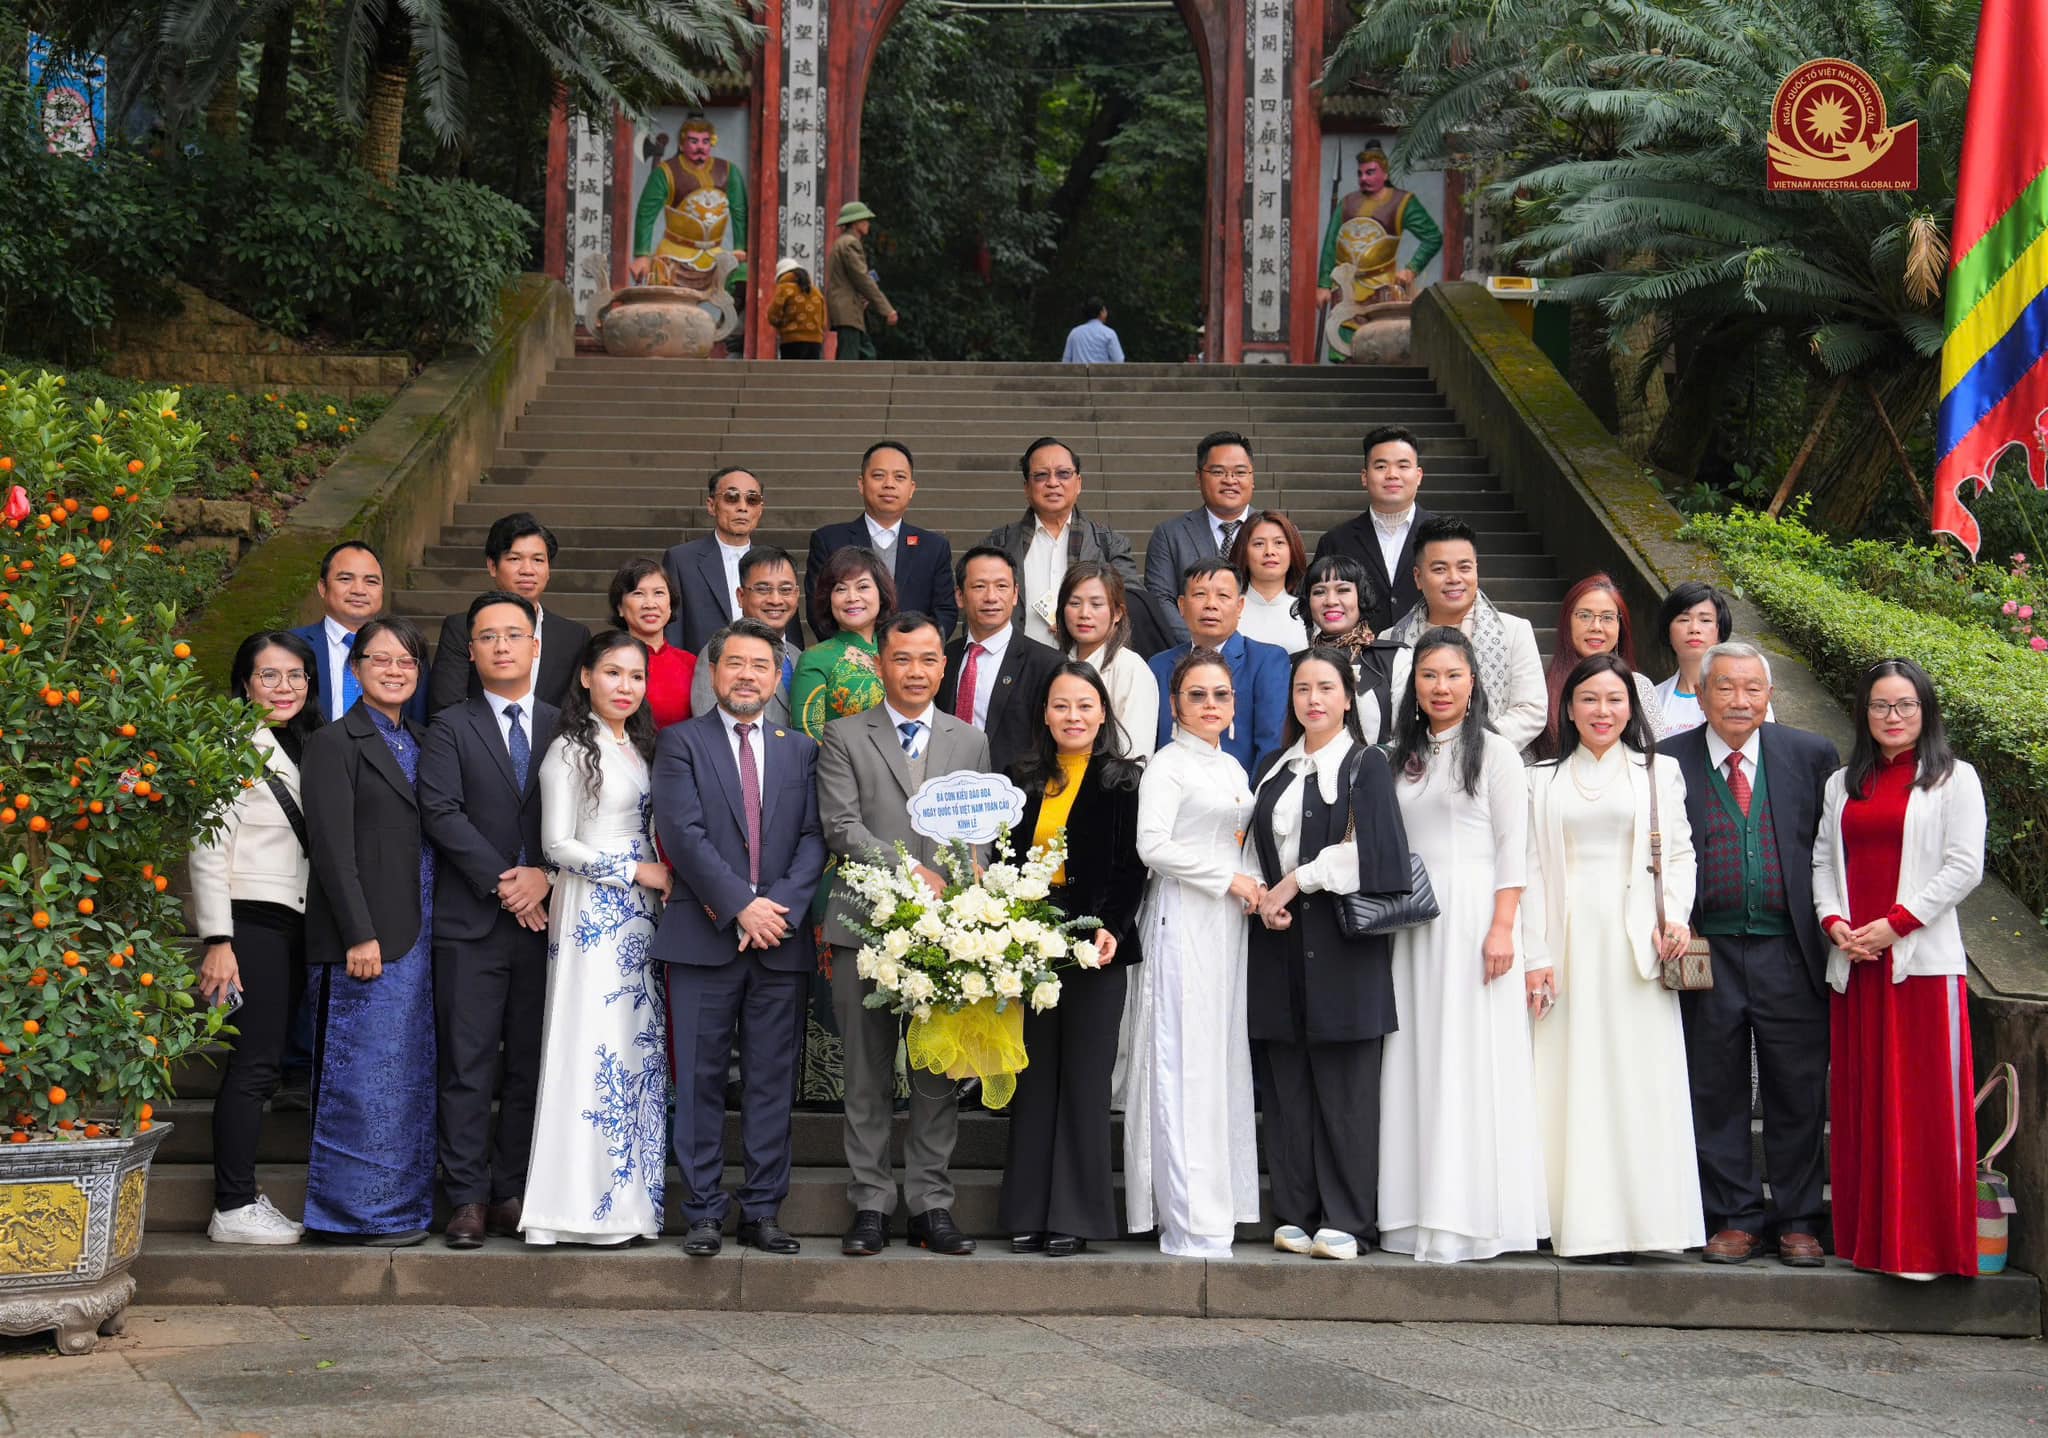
(995, 673)
(919, 560)
(1211, 603)
(737, 814)
(351, 590)
(704, 574)
(480, 805)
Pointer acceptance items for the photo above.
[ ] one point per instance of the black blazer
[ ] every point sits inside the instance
(1352, 979)
(1796, 769)
(561, 656)
(363, 828)
(476, 814)
(1013, 716)
(1393, 595)
(1105, 876)
(924, 572)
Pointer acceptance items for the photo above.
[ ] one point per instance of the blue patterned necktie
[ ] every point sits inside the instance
(908, 729)
(351, 687)
(522, 755)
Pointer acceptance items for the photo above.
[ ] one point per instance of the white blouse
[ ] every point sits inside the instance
(1133, 698)
(1335, 869)
(1272, 621)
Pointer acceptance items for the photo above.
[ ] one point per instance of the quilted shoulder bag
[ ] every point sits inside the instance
(1361, 916)
(1693, 969)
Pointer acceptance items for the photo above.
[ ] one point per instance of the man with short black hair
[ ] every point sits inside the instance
(1054, 534)
(1211, 603)
(351, 590)
(994, 675)
(1382, 538)
(920, 561)
(1223, 469)
(768, 594)
(869, 766)
(479, 793)
(519, 555)
(1092, 341)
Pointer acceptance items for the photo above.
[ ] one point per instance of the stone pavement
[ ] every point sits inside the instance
(504, 1372)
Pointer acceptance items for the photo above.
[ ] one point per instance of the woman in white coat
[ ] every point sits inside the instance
(1614, 1104)
(1191, 1164)
(1890, 865)
(249, 904)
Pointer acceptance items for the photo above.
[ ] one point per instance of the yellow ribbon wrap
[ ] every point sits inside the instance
(973, 1041)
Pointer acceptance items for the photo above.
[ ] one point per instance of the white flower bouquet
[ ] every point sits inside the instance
(963, 964)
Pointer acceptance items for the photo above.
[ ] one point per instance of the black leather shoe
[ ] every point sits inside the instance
(767, 1235)
(465, 1226)
(703, 1240)
(868, 1236)
(501, 1219)
(934, 1229)
(1028, 1243)
(1064, 1245)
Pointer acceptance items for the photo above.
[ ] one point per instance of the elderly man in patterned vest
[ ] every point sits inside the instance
(1753, 796)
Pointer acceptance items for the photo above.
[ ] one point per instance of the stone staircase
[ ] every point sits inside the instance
(613, 456)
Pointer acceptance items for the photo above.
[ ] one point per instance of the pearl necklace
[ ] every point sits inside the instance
(1574, 768)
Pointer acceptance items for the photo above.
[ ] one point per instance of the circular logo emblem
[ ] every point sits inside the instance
(1829, 131)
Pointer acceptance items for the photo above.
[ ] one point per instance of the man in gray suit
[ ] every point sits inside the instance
(1223, 467)
(767, 592)
(868, 767)
(1054, 534)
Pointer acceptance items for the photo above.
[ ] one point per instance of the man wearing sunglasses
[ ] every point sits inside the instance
(704, 574)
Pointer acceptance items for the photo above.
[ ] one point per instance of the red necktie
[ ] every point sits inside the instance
(750, 794)
(1738, 782)
(963, 702)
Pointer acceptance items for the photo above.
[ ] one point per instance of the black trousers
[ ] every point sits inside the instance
(1322, 1123)
(709, 1009)
(270, 951)
(1763, 991)
(801, 349)
(489, 998)
(1057, 1176)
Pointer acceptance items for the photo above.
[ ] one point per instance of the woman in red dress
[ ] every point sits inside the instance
(1901, 843)
(642, 604)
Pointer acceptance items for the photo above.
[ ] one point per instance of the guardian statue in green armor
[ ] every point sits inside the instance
(1361, 249)
(692, 209)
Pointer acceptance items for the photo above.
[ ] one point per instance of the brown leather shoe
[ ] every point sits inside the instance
(1800, 1250)
(465, 1226)
(1732, 1245)
(501, 1219)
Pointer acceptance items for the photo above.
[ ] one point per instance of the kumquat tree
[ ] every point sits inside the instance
(113, 759)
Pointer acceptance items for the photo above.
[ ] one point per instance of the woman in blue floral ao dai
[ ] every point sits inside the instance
(600, 1140)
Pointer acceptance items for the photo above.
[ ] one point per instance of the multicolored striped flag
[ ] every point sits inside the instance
(1994, 363)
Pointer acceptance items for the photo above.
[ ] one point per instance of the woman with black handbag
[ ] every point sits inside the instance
(1324, 825)
(1461, 1167)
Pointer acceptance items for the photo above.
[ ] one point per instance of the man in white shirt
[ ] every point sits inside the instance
(1092, 341)
(1223, 469)
(704, 574)
(1054, 534)
(519, 557)
(918, 561)
(351, 590)
(1382, 539)
(995, 677)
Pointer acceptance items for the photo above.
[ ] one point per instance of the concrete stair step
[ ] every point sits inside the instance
(1509, 534)
(688, 475)
(773, 435)
(1350, 418)
(991, 459)
(1121, 1278)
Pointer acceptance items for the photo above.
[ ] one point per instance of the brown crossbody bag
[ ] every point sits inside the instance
(1693, 969)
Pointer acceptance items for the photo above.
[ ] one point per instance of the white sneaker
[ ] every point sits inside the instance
(1289, 1239)
(257, 1222)
(1333, 1243)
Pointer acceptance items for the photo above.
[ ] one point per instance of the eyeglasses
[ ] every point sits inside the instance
(281, 678)
(742, 498)
(492, 638)
(1217, 471)
(772, 591)
(403, 663)
(1605, 618)
(1904, 708)
(1051, 476)
(1206, 696)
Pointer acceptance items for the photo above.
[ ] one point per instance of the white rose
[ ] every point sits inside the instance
(973, 985)
(1052, 943)
(896, 943)
(865, 961)
(1033, 887)
(1045, 995)
(1087, 955)
(918, 986)
(921, 1012)
(887, 975)
(881, 914)
(928, 926)
(1009, 983)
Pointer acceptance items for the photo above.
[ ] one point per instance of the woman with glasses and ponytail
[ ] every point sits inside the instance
(1901, 844)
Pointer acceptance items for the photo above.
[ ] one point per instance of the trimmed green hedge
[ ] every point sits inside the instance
(1994, 695)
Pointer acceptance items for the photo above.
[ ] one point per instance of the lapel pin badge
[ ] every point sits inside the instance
(780, 734)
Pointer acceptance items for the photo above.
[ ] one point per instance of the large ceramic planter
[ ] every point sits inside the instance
(1382, 333)
(659, 322)
(70, 1224)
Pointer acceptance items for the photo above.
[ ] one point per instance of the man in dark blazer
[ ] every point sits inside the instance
(480, 808)
(1054, 534)
(737, 815)
(351, 590)
(869, 766)
(1382, 539)
(1753, 799)
(704, 574)
(519, 555)
(1223, 470)
(920, 561)
(995, 675)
